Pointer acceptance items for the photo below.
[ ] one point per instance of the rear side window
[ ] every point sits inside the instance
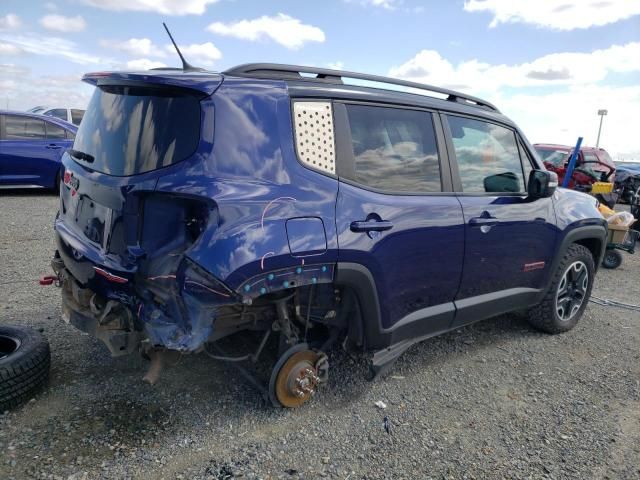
(60, 113)
(131, 130)
(76, 116)
(394, 149)
(23, 128)
(55, 131)
(487, 156)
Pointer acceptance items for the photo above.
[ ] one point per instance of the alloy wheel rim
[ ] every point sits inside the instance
(8, 345)
(572, 290)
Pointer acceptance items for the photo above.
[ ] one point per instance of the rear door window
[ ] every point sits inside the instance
(131, 130)
(487, 156)
(55, 131)
(60, 113)
(17, 127)
(76, 116)
(394, 149)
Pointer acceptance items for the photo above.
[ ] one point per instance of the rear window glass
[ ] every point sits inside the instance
(130, 130)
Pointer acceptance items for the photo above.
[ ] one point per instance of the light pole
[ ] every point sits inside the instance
(602, 113)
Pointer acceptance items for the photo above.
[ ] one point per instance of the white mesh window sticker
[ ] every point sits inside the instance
(313, 125)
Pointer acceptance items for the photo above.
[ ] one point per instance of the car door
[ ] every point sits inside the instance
(27, 157)
(509, 237)
(396, 215)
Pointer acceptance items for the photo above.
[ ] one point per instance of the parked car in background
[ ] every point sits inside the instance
(627, 180)
(31, 147)
(593, 164)
(71, 115)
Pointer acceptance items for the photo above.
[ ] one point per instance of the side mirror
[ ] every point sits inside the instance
(542, 184)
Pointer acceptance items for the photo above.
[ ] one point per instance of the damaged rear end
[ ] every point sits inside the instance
(122, 244)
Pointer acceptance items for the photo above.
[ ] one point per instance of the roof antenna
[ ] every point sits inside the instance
(186, 66)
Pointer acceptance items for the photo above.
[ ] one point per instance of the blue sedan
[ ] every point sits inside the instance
(31, 147)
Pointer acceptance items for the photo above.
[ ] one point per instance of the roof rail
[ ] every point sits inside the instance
(282, 71)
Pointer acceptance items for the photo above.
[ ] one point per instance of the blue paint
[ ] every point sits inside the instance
(247, 288)
(572, 163)
(271, 276)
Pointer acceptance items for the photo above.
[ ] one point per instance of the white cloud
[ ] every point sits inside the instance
(30, 90)
(386, 4)
(53, 47)
(144, 64)
(561, 117)
(165, 7)
(556, 14)
(60, 23)
(9, 49)
(10, 22)
(198, 53)
(134, 46)
(556, 96)
(283, 29)
(52, 7)
(570, 68)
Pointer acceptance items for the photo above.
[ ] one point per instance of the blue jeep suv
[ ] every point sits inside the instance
(286, 205)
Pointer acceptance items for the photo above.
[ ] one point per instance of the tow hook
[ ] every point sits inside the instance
(50, 279)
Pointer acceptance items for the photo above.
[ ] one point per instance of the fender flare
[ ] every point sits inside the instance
(358, 278)
(586, 232)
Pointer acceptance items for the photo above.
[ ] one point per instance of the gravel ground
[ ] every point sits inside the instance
(493, 400)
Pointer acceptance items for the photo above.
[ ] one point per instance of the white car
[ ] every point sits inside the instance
(71, 115)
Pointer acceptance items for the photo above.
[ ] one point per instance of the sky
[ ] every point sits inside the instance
(550, 65)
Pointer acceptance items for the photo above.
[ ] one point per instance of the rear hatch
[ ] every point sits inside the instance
(137, 127)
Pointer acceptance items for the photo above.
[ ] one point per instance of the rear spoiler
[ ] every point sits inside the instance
(204, 82)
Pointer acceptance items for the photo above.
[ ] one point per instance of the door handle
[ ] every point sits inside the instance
(53, 146)
(483, 221)
(371, 226)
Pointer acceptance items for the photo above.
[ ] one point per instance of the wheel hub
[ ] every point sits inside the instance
(572, 290)
(298, 378)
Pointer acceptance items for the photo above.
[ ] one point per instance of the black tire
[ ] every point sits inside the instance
(24, 365)
(612, 259)
(56, 183)
(548, 315)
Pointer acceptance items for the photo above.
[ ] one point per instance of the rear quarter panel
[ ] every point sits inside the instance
(256, 183)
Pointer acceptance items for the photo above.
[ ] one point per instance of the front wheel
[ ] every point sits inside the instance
(568, 294)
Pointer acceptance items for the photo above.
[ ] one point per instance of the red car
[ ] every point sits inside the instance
(593, 164)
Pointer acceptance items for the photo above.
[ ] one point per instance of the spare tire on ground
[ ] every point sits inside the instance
(24, 364)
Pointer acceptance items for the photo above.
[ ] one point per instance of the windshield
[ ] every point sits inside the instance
(555, 157)
(130, 130)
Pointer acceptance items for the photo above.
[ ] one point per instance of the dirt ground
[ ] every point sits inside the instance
(493, 400)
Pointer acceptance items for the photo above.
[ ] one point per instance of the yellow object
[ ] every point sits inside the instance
(602, 187)
(605, 211)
